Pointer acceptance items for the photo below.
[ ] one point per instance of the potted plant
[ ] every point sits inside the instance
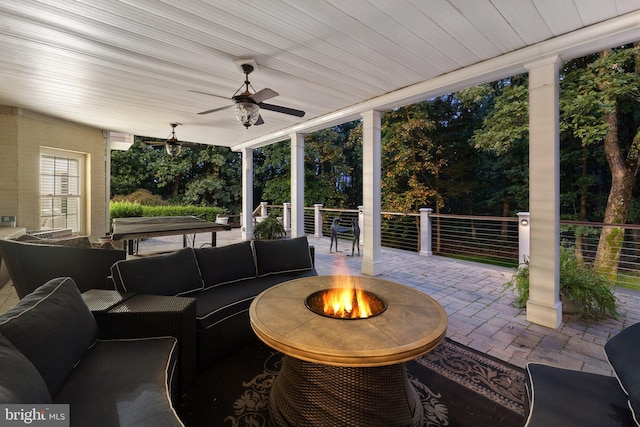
(269, 228)
(583, 290)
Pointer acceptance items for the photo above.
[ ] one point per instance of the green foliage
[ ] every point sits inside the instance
(579, 283)
(332, 169)
(142, 196)
(125, 209)
(269, 228)
(412, 160)
(508, 121)
(209, 177)
(593, 89)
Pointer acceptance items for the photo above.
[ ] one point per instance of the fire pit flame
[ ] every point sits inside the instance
(345, 303)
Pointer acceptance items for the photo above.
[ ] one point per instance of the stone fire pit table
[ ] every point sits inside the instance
(346, 371)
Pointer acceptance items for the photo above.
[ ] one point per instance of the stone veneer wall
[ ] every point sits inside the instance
(22, 134)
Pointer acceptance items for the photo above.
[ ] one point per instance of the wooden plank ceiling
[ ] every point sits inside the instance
(131, 65)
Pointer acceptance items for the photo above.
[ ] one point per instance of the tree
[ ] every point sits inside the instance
(503, 139)
(208, 177)
(411, 161)
(597, 99)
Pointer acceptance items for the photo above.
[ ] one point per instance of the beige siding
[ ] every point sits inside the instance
(22, 134)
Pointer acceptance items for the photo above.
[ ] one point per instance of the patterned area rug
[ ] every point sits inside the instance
(457, 386)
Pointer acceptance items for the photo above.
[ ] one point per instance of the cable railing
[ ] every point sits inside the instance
(492, 240)
(584, 237)
(485, 239)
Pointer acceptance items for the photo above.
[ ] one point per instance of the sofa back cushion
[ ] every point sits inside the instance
(621, 352)
(53, 328)
(20, 381)
(282, 255)
(226, 264)
(172, 274)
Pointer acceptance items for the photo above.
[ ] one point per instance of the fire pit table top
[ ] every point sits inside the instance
(413, 323)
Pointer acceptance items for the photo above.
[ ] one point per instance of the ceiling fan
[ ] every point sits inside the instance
(247, 105)
(172, 145)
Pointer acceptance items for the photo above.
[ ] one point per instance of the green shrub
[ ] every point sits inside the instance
(142, 196)
(592, 292)
(124, 209)
(269, 228)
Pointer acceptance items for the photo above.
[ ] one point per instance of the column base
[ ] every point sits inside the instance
(371, 268)
(544, 315)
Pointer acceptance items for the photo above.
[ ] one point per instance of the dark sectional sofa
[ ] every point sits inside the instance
(223, 280)
(51, 353)
(568, 398)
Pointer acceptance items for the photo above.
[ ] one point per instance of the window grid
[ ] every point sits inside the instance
(60, 191)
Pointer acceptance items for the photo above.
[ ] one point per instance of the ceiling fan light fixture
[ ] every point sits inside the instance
(247, 113)
(173, 149)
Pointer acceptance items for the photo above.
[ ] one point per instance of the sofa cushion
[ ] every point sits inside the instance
(123, 383)
(226, 264)
(20, 381)
(53, 328)
(282, 255)
(620, 351)
(218, 303)
(568, 398)
(172, 274)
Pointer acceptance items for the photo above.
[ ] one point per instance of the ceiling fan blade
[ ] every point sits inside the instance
(213, 110)
(210, 94)
(263, 95)
(155, 143)
(284, 110)
(193, 145)
(259, 121)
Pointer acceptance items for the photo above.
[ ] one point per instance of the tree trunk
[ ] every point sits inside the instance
(623, 175)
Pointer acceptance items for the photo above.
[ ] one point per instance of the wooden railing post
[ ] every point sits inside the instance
(317, 220)
(286, 216)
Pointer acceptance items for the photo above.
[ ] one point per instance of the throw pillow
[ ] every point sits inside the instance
(53, 328)
(226, 264)
(20, 381)
(282, 255)
(172, 274)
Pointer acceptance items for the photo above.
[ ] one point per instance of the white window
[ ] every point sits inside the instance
(61, 190)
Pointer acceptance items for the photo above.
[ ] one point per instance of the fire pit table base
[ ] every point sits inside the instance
(312, 394)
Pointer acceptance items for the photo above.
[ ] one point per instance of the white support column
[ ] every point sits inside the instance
(317, 220)
(524, 237)
(297, 184)
(247, 193)
(425, 232)
(361, 223)
(544, 306)
(286, 216)
(371, 180)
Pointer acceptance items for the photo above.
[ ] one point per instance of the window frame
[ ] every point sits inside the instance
(63, 186)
